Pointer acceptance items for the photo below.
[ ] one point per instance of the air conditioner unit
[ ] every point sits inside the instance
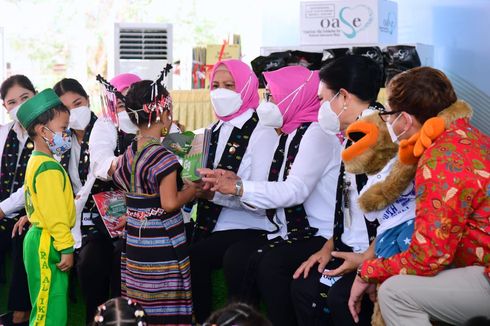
(142, 49)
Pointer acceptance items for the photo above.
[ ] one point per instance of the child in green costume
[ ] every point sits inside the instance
(48, 245)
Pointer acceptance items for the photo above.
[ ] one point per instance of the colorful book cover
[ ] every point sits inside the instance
(179, 143)
(197, 157)
(111, 206)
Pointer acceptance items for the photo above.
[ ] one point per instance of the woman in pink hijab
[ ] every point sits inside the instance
(292, 98)
(239, 145)
(234, 89)
(297, 194)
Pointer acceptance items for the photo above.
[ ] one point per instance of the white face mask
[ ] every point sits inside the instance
(79, 117)
(329, 120)
(13, 113)
(225, 102)
(394, 137)
(125, 123)
(269, 114)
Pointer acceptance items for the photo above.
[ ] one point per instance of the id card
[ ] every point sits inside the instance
(329, 280)
(87, 219)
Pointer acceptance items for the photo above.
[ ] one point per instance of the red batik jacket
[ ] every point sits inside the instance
(452, 225)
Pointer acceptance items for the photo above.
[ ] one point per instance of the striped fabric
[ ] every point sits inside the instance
(155, 269)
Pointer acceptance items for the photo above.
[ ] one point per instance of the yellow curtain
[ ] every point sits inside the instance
(193, 108)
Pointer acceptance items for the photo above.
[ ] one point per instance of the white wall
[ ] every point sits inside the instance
(459, 30)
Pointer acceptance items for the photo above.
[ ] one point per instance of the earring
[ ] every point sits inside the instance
(164, 131)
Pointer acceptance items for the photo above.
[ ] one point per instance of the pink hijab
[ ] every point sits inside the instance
(297, 88)
(241, 73)
(123, 81)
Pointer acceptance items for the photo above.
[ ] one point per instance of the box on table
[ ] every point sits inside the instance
(231, 51)
(348, 22)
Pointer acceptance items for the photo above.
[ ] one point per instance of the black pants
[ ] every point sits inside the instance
(206, 256)
(6, 225)
(273, 273)
(309, 298)
(316, 304)
(99, 272)
(19, 299)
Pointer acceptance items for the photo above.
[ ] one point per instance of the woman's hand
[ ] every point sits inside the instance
(321, 257)
(19, 226)
(208, 178)
(220, 180)
(350, 264)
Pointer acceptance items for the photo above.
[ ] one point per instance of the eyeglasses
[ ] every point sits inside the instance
(384, 115)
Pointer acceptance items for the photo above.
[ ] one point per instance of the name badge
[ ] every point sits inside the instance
(329, 280)
(86, 219)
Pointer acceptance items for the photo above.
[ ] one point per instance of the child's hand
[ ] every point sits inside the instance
(191, 187)
(66, 262)
(201, 191)
(121, 222)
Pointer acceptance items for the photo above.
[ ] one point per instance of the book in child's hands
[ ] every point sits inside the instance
(197, 157)
(111, 206)
(179, 143)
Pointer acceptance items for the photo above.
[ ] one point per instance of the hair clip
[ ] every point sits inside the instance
(157, 105)
(101, 308)
(109, 97)
(110, 88)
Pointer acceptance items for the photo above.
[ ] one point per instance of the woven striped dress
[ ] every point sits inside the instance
(155, 264)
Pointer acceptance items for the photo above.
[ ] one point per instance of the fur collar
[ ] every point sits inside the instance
(457, 110)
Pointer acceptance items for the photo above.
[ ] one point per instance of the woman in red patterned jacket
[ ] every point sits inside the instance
(445, 273)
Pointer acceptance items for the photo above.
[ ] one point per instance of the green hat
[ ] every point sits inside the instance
(37, 105)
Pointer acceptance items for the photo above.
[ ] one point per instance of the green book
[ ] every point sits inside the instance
(197, 156)
(179, 143)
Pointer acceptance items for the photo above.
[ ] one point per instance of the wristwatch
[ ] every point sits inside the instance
(359, 271)
(238, 187)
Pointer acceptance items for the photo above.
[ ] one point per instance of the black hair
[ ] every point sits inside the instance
(237, 314)
(46, 117)
(119, 312)
(358, 75)
(138, 95)
(69, 85)
(19, 80)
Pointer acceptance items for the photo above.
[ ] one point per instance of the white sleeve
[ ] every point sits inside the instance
(226, 200)
(86, 190)
(14, 203)
(308, 167)
(244, 172)
(103, 143)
